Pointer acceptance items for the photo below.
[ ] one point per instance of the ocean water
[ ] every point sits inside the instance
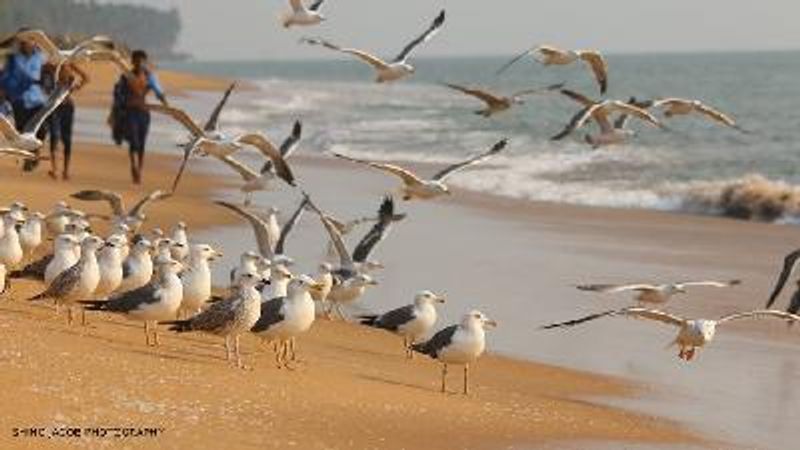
(699, 166)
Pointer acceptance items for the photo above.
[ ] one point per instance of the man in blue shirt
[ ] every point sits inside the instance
(21, 82)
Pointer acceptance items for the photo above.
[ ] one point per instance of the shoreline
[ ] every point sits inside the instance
(387, 398)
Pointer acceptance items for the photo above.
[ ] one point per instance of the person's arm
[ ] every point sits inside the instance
(80, 74)
(152, 83)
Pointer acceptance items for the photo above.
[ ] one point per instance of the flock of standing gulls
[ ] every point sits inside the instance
(165, 279)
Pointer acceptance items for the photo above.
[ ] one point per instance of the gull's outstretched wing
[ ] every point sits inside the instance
(486, 97)
(386, 217)
(760, 313)
(180, 116)
(54, 101)
(113, 199)
(650, 314)
(613, 288)
(599, 67)
(446, 172)
(156, 195)
(372, 60)
(288, 146)
(268, 149)
(427, 35)
(789, 266)
(213, 120)
(289, 225)
(245, 172)
(345, 261)
(264, 240)
(407, 176)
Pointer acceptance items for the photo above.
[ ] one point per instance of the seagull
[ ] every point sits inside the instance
(30, 235)
(789, 267)
(211, 129)
(681, 107)
(269, 235)
(228, 318)
(497, 103)
(133, 218)
(386, 71)
(415, 187)
(58, 218)
(137, 269)
(458, 344)
(285, 318)
(196, 279)
(109, 261)
(92, 49)
(249, 262)
(215, 144)
(324, 282)
(27, 140)
(67, 252)
(551, 56)
(279, 278)
(600, 112)
(693, 334)
(120, 232)
(180, 252)
(655, 293)
(412, 322)
(157, 301)
(11, 253)
(349, 281)
(300, 15)
(79, 281)
(263, 179)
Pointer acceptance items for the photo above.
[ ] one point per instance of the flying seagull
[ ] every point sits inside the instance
(415, 187)
(789, 267)
(300, 15)
(681, 107)
(498, 103)
(460, 344)
(27, 139)
(211, 128)
(692, 334)
(412, 322)
(552, 56)
(386, 71)
(600, 112)
(655, 293)
(133, 218)
(262, 179)
(215, 144)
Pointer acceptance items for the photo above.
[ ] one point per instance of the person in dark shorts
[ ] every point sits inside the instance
(130, 119)
(61, 120)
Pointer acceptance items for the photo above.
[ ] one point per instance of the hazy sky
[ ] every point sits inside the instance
(249, 29)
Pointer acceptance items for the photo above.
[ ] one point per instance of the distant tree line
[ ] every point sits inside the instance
(135, 26)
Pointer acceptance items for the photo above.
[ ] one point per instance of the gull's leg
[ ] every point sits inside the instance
(227, 348)
(238, 354)
(339, 311)
(466, 379)
(83, 317)
(444, 378)
(146, 333)
(292, 349)
(277, 355)
(69, 315)
(155, 335)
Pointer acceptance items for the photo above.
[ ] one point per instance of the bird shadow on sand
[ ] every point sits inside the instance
(403, 384)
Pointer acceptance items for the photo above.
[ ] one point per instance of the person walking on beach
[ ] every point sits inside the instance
(61, 120)
(21, 82)
(130, 119)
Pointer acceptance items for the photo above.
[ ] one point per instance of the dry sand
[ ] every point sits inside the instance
(352, 390)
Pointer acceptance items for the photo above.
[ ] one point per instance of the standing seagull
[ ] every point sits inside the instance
(154, 302)
(551, 56)
(11, 253)
(79, 281)
(600, 112)
(411, 321)
(196, 279)
(263, 179)
(179, 236)
(67, 251)
(217, 145)
(655, 293)
(285, 318)
(31, 233)
(498, 103)
(137, 269)
(228, 318)
(692, 334)
(458, 344)
(415, 187)
(386, 71)
(109, 260)
(135, 217)
(300, 15)
(681, 107)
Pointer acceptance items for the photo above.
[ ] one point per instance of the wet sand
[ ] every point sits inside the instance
(353, 389)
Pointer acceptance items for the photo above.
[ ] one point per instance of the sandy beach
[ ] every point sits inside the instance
(352, 390)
